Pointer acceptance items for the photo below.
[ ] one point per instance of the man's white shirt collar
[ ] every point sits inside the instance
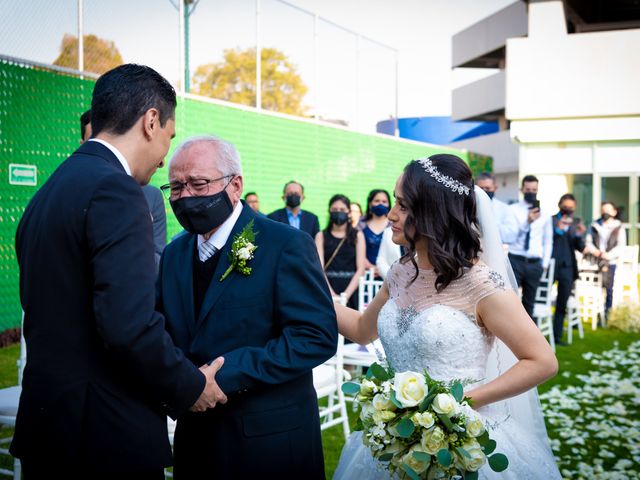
(116, 152)
(220, 237)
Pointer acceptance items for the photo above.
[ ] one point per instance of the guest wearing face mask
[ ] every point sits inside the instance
(506, 220)
(567, 239)
(530, 253)
(292, 214)
(605, 238)
(342, 251)
(373, 225)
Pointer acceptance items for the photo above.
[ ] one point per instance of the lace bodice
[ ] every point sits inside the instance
(423, 329)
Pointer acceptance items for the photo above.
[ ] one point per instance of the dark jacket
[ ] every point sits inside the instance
(565, 246)
(308, 221)
(102, 372)
(273, 327)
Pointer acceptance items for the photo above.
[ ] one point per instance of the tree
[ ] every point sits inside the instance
(234, 79)
(99, 55)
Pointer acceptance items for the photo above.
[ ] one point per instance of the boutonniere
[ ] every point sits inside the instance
(241, 252)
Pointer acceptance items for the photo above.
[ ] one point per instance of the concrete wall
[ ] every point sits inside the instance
(551, 74)
(480, 97)
(489, 34)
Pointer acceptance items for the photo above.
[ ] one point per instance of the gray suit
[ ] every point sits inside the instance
(153, 195)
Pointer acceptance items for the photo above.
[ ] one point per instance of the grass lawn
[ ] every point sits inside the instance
(570, 358)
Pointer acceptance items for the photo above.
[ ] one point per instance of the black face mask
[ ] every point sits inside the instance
(567, 212)
(292, 200)
(605, 216)
(339, 218)
(202, 214)
(490, 194)
(530, 197)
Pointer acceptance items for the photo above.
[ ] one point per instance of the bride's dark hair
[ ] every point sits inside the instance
(446, 218)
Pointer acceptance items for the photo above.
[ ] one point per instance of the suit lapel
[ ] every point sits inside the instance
(216, 287)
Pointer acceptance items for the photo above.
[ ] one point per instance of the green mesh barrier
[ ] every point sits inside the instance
(39, 125)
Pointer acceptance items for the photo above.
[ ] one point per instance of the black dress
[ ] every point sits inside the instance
(343, 266)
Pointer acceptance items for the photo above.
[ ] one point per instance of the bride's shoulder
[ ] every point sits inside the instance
(483, 280)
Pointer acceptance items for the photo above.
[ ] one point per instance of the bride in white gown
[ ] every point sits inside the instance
(444, 310)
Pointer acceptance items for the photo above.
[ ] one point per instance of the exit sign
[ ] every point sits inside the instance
(23, 175)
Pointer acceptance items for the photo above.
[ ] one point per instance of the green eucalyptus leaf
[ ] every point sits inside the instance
(410, 471)
(470, 475)
(444, 457)
(379, 372)
(498, 462)
(385, 457)
(489, 447)
(457, 391)
(350, 388)
(426, 402)
(484, 438)
(422, 456)
(394, 399)
(405, 427)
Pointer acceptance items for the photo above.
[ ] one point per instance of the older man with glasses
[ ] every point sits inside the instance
(252, 290)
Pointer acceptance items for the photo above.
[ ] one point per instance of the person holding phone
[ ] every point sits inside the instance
(568, 238)
(530, 253)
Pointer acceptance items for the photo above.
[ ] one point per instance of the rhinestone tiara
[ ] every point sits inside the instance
(450, 183)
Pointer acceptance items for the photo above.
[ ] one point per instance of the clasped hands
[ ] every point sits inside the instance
(212, 393)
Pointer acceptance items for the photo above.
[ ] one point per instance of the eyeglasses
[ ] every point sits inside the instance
(197, 187)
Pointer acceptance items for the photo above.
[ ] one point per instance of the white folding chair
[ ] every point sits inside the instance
(573, 318)
(590, 296)
(368, 286)
(625, 281)
(327, 380)
(542, 312)
(9, 400)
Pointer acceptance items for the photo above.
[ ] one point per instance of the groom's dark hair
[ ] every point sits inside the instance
(444, 217)
(124, 94)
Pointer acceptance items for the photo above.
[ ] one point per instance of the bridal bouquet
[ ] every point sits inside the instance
(421, 428)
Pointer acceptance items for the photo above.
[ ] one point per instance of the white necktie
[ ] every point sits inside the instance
(206, 251)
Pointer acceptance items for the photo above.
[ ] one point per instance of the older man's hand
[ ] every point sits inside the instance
(212, 394)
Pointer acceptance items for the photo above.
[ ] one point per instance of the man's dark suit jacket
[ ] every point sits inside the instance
(565, 248)
(308, 221)
(101, 372)
(272, 327)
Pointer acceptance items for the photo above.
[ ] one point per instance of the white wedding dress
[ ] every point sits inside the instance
(421, 329)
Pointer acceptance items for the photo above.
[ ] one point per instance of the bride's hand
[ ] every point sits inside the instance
(504, 316)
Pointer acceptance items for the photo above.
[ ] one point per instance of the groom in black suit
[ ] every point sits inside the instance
(273, 325)
(102, 373)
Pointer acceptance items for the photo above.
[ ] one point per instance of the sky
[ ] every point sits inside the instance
(349, 79)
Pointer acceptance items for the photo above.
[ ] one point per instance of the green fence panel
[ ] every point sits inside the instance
(39, 125)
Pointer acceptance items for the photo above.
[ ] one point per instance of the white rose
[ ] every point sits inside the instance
(367, 387)
(244, 253)
(478, 458)
(415, 464)
(445, 404)
(383, 402)
(410, 388)
(250, 246)
(475, 427)
(383, 416)
(425, 419)
(433, 440)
